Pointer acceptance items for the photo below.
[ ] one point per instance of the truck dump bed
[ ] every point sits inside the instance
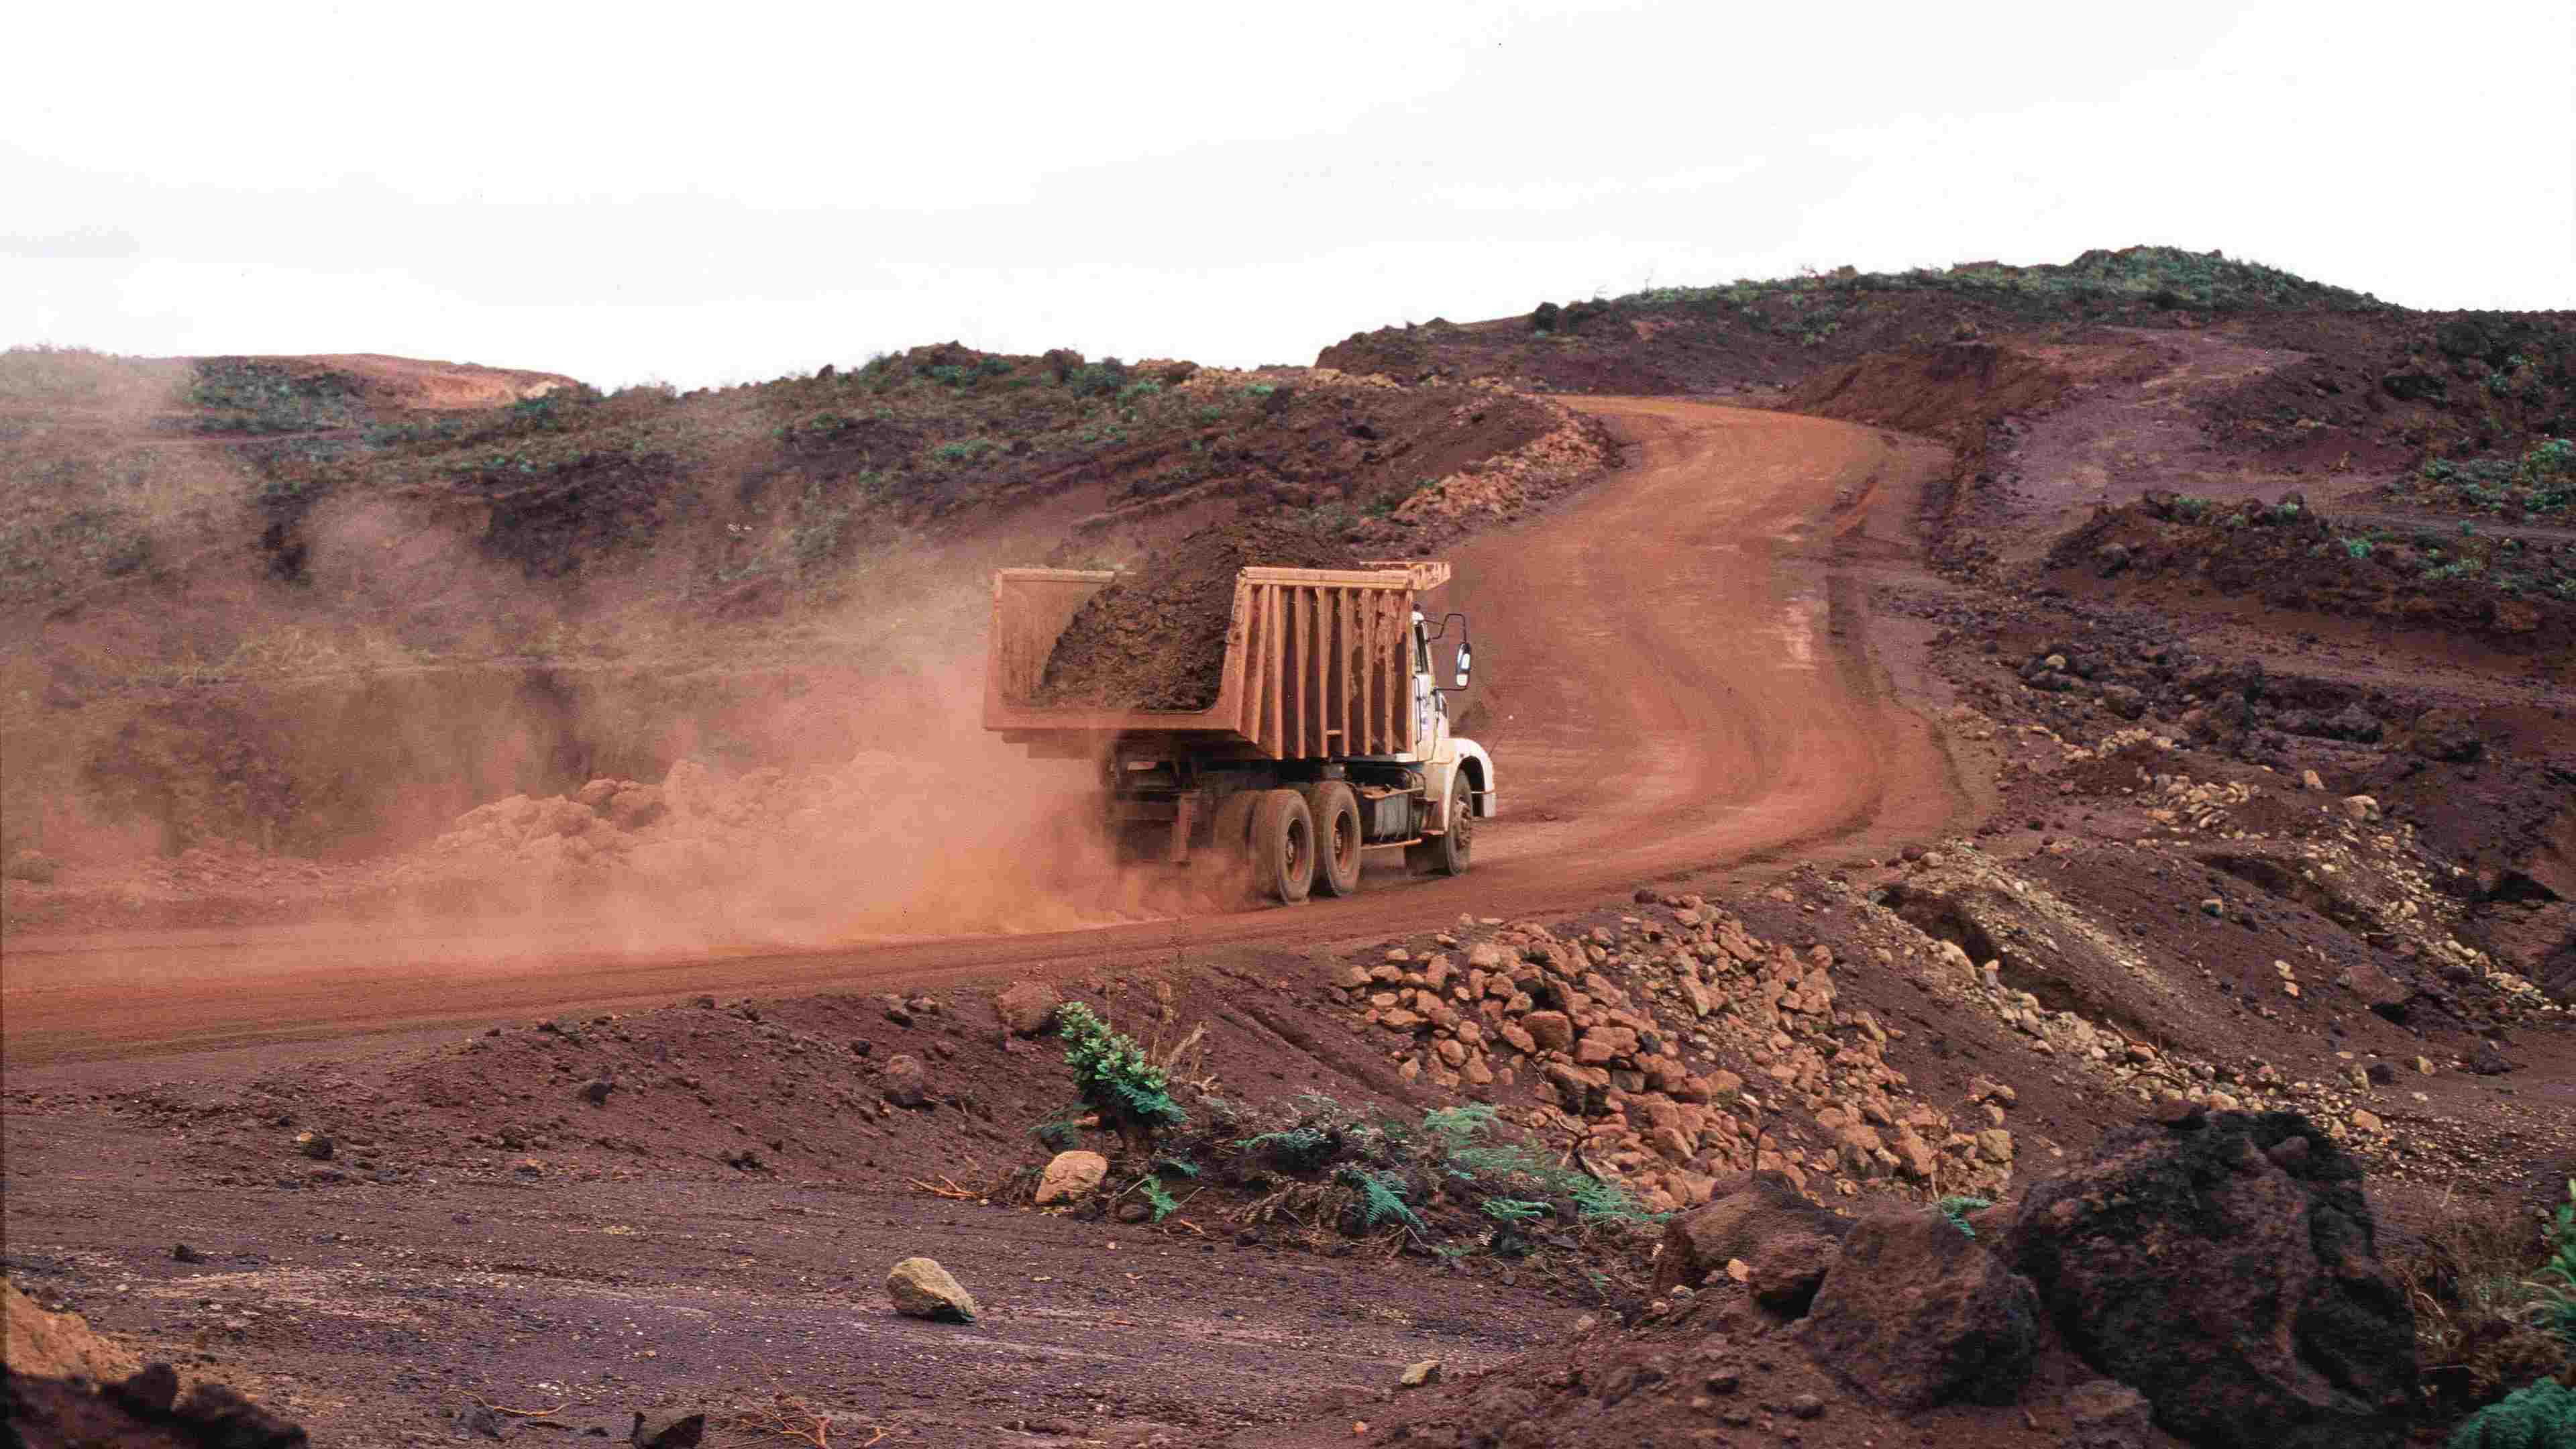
(1315, 665)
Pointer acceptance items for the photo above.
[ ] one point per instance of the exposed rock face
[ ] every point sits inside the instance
(2229, 1270)
(1916, 1314)
(1744, 1213)
(921, 1288)
(1071, 1176)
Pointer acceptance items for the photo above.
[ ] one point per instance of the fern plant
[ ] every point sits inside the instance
(2541, 1416)
(1956, 1209)
(2556, 1310)
(1131, 1095)
(1382, 1198)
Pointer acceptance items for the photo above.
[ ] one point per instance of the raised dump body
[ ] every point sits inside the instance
(1319, 664)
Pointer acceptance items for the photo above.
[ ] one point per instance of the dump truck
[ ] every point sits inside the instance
(1329, 735)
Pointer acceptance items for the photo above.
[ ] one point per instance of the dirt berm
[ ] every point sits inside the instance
(1156, 640)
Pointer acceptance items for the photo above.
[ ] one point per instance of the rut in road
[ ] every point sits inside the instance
(1678, 673)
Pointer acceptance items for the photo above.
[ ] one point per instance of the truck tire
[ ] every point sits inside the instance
(1449, 852)
(1336, 813)
(1283, 846)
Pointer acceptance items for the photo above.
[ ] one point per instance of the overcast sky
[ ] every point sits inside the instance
(724, 193)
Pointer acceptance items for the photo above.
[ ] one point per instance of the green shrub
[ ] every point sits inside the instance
(2542, 1416)
(2556, 1310)
(1957, 1208)
(1131, 1095)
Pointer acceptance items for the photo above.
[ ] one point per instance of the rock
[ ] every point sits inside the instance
(2486, 1061)
(667, 1430)
(1419, 1375)
(1744, 1211)
(921, 1288)
(1071, 1176)
(1552, 1030)
(215, 1414)
(1995, 1145)
(907, 1081)
(1027, 1007)
(1807, 1406)
(2106, 1415)
(1916, 1314)
(480, 1419)
(185, 1254)
(314, 1145)
(596, 1093)
(2361, 807)
(32, 866)
(149, 1392)
(2367, 1122)
(1787, 1268)
(2287, 1330)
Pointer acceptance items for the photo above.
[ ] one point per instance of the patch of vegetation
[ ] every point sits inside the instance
(236, 394)
(2486, 1320)
(2541, 1416)
(2156, 277)
(2541, 483)
(1110, 1071)
(1956, 1209)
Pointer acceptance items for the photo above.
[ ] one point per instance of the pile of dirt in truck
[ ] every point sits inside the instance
(1156, 639)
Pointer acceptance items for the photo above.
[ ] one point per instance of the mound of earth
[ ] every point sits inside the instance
(1156, 640)
(2507, 589)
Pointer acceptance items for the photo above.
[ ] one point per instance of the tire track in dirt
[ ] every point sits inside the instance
(1680, 675)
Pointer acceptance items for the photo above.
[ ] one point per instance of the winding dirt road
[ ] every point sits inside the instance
(1680, 674)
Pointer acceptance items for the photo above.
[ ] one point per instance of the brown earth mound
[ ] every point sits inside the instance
(2510, 591)
(1157, 640)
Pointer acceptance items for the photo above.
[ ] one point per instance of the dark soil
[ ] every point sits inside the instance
(1156, 639)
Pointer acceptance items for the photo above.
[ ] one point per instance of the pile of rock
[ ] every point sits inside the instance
(1623, 1028)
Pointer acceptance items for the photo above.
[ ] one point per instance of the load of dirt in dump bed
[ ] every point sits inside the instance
(1156, 639)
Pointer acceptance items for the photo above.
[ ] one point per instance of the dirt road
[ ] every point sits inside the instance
(1679, 674)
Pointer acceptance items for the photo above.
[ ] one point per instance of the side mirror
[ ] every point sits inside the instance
(1464, 660)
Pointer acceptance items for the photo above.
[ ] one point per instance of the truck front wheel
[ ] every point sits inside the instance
(1283, 846)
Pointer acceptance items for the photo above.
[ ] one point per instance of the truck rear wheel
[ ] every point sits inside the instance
(1283, 846)
(1336, 812)
(1449, 852)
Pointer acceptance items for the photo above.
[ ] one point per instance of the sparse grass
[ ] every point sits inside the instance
(2487, 1320)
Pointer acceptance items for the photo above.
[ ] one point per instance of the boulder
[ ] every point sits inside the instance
(1915, 1313)
(2103, 1415)
(1744, 1211)
(1071, 1176)
(921, 1288)
(1027, 1007)
(2286, 1329)
(907, 1081)
(1786, 1269)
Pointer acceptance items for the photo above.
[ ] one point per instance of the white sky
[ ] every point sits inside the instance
(723, 193)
